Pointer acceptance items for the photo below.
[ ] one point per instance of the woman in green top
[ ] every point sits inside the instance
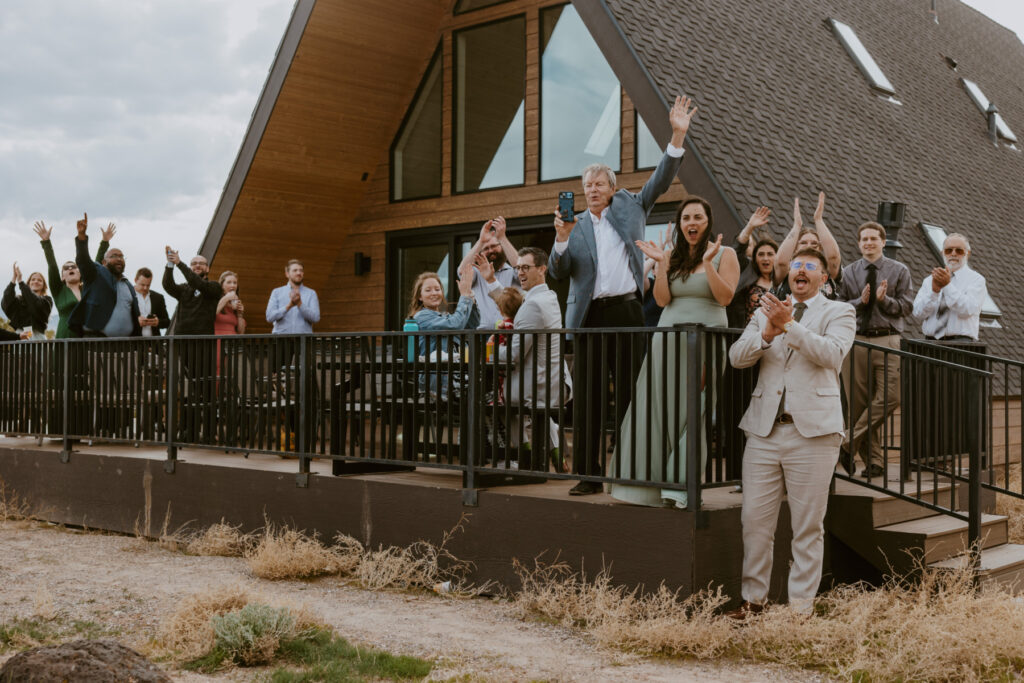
(66, 283)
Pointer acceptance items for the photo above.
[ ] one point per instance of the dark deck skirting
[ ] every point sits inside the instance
(130, 491)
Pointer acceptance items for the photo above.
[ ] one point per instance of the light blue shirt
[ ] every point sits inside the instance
(297, 319)
(120, 323)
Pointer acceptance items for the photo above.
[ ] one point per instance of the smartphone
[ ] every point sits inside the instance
(565, 203)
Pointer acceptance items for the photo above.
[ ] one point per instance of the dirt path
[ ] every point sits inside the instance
(131, 585)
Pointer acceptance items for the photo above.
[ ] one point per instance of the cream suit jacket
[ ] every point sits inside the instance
(805, 362)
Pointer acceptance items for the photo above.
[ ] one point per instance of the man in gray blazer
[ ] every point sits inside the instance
(598, 254)
(536, 355)
(794, 426)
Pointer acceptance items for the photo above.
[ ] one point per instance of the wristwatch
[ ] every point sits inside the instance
(785, 328)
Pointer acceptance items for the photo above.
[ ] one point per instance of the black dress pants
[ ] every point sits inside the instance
(598, 359)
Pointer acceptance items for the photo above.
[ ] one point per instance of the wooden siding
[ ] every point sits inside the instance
(319, 185)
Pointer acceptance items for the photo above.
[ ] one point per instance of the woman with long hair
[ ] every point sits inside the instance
(695, 279)
(27, 305)
(66, 282)
(757, 276)
(429, 309)
(230, 317)
(820, 238)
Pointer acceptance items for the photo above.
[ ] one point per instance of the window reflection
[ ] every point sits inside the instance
(411, 262)
(490, 76)
(416, 155)
(648, 153)
(580, 98)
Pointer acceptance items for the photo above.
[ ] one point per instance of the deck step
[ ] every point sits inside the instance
(937, 537)
(1002, 565)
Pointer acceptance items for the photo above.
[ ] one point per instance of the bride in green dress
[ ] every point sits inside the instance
(694, 281)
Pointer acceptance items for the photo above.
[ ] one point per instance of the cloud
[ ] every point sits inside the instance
(133, 111)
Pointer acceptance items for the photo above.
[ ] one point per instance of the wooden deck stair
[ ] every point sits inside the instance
(895, 534)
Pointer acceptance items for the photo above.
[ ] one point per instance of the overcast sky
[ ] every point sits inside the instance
(130, 110)
(134, 110)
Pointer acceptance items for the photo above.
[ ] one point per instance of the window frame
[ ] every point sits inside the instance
(459, 12)
(982, 102)
(857, 51)
(636, 143)
(540, 103)
(455, 99)
(420, 89)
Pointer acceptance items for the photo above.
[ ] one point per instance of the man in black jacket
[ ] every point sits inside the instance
(152, 308)
(197, 307)
(197, 298)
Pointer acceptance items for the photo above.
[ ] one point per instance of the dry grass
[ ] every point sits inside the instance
(13, 508)
(222, 540)
(938, 629)
(1013, 507)
(286, 553)
(189, 633)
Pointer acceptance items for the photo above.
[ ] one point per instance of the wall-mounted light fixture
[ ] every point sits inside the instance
(362, 263)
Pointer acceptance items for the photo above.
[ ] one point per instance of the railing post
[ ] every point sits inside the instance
(469, 491)
(974, 479)
(65, 452)
(172, 400)
(694, 363)
(302, 480)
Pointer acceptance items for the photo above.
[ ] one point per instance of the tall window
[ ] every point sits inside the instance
(580, 101)
(416, 152)
(490, 83)
(648, 154)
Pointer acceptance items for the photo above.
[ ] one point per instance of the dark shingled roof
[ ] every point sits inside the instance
(784, 111)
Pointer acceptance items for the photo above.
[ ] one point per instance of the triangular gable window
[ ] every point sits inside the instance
(416, 152)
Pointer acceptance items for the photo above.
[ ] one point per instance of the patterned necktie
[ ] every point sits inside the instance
(798, 312)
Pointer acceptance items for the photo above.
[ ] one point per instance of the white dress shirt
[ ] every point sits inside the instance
(613, 276)
(145, 308)
(954, 310)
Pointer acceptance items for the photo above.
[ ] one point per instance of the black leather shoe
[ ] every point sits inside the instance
(846, 460)
(746, 611)
(873, 472)
(585, 488)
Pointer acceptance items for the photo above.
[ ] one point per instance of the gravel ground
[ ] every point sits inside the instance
(129, 585)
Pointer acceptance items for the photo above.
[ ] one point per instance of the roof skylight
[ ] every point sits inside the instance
(982, 102)
(862, 57)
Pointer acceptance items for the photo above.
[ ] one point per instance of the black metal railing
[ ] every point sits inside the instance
(502, 410)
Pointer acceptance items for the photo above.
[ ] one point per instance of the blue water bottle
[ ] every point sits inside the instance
(411, 326)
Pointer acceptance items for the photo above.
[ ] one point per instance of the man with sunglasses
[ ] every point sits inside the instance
(794, 425)
(950, 299)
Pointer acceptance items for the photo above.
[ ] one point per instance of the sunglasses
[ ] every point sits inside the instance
(70, 267)
(806, 265)
(959, 251)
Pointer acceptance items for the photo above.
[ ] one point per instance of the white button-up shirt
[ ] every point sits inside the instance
(954, 310)
(145, 308)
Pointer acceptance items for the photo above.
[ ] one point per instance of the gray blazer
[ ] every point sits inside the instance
(805, 362)
(537, 353)
(628, 215)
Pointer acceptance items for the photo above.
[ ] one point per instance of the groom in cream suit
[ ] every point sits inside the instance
(794, 426)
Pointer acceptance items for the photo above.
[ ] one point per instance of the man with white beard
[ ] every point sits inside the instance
(950, 299)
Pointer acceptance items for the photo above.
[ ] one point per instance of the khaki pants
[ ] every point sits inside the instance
(801, 468)
(873, 393)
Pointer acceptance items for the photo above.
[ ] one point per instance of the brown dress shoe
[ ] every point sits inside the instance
(746, 610)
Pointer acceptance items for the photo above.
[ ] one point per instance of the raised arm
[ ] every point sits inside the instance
(660, 255)
(86, 266)
(56, 284)
(721, 280)
(511, 255)
(168, 283)
(788, 246)
(679, 118)
(829, 246)
(209, 287)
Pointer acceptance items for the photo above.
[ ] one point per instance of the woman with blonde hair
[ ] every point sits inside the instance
(230, 317)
